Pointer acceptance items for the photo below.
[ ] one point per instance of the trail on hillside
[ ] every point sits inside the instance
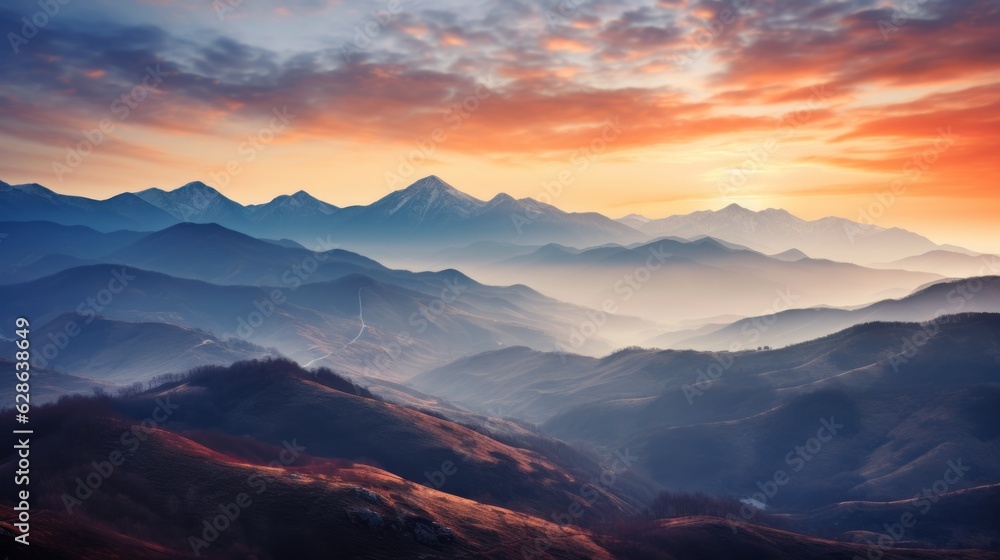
(361, 315)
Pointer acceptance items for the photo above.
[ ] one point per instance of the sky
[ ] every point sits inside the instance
(882, 112)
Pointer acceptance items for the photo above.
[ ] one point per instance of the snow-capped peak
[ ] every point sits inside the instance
(429, 197)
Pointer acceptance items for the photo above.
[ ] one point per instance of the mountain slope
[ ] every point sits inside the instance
(908, 402)
(120, 352)
(196, 470)
(301, 445)
(210, 455)
(705, 538)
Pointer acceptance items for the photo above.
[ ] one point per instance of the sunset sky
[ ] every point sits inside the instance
(653, 107)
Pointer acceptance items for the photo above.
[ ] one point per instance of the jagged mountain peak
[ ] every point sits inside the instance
(502, 198)
(429, 198)
(636, 217)
(734, 207)
(197, 186)
(737, 209)
(194, 202)
(430, 182)
(298, 201)
(193, 187)
(434, 185)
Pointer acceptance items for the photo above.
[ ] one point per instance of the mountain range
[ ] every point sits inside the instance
(491, 398)
(329, 307)
(775, 231)
(430, 215)
(670, 280)
(427, 214)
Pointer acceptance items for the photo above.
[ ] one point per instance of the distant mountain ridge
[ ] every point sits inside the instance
(429, 214)
(978, 294)
(671, 279)
(775, 231)
(33, 202)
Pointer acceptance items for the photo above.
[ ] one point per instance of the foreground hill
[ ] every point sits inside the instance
(366, 512)
(708, 538)
(909, 398)
(343, 460)
(962, 519)
(273, 400)
(261, 450)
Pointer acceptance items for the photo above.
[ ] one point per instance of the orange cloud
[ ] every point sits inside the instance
(566, 44)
